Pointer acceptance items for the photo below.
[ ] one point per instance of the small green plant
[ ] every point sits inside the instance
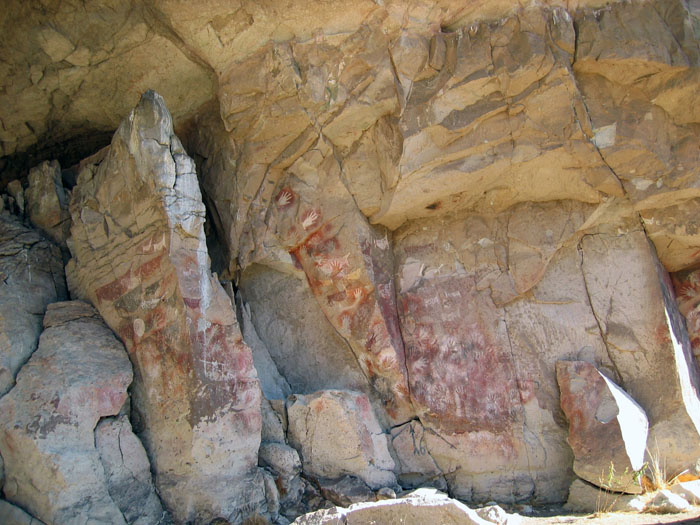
(607, 500)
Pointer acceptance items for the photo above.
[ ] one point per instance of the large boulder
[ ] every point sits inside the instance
(32, 277)
(632, 298)
(421, 506)
(78, 374)
(337, 433)
(607, 428)
(140, 256)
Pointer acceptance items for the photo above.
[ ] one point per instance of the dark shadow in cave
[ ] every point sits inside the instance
(68, 153)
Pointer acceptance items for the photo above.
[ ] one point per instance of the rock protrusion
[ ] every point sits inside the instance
(337, 433)
(128, 472)
(607, 428)
(421, 506)
(140, 256)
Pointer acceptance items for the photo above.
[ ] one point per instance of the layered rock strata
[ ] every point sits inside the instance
(139, 255)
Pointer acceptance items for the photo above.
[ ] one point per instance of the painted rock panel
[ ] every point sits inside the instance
(348, 265)
(139, 254)
(488, 304)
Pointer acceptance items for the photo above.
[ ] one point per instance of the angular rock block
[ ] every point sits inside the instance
(607, 428)
(32, 277)
(78, 374)
(128, 472)
(140, 256)
(47, 202)
(584, 497)
(421, 506)
(346, 490)
(336, 433)
(416, 467)
(632, 298)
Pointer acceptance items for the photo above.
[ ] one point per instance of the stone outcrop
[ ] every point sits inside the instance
(632, 298)
(336, 433)
(139, 255)
(78, 374)
(607, 428)
(32, 278)
(416, 468)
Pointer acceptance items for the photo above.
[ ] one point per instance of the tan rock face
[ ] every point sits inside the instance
(139, 254)
(430, 204)
(632, 299)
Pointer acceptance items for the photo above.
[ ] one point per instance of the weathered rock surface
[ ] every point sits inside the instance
(422, 506)
(12, 515)
(587, 498)
(128, 472)
(308, 352)
(416, 468)
(32, 277)
(345, 491)
(429, 203)
(632, 298)
(482, 299)
(47, 202)
(607, 428)
(336, 433)
(686, 284)
(281, 458)
(139, 254)
(78, 374)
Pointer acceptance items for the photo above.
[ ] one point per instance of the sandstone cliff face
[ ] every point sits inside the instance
(418, 209)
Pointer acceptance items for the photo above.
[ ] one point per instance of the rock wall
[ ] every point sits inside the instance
(421, 211)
